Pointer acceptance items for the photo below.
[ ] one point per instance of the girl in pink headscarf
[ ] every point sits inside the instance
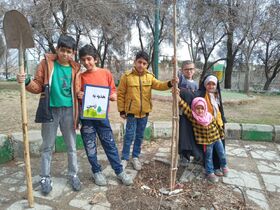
(200, 111)
(207, 133)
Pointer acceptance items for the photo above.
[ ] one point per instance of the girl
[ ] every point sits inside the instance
(208, 133)
(210, 90)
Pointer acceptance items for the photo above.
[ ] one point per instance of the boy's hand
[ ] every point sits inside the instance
(123, 116)
(80, 95)
(113, 97)
(21, 77)
(174, 81)
(173, 60)
(175, 91)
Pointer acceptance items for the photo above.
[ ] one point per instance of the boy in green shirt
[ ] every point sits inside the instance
(59, 71)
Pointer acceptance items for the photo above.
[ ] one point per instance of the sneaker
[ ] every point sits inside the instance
(184, 162)
(99, 179)
(218, 172)
(225, 171)
(46, 185)
(124, 164)
(126, 179)
(136, 164)
(212, 178)
(75, 183)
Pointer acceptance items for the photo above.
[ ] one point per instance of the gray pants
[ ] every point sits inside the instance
(62, 116)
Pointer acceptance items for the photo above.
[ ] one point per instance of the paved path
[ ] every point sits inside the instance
(255, 170)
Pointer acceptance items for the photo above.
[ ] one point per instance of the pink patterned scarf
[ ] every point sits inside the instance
(206, 118)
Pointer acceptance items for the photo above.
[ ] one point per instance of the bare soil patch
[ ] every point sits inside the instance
(263, 110)
(194, 195)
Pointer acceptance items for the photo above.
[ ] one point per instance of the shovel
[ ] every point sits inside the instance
(18, 35)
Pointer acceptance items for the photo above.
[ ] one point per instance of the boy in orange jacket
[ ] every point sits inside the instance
(59, 71)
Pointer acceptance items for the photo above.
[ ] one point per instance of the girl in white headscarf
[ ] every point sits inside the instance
(210, 90)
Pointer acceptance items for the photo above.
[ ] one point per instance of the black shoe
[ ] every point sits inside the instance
(184, 161)
(75, 183)
(46, 185)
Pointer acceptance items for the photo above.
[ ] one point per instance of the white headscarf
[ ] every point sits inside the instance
(210, 78)
(214, 100)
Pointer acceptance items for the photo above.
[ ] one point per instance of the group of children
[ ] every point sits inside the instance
(133, 97)
(66, 83)
(201, 127)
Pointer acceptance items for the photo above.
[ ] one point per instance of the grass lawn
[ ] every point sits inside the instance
(241, 108)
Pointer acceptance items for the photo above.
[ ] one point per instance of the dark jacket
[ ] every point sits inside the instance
(187, 144)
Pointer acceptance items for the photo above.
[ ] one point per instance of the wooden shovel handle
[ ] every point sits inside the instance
(25, 134)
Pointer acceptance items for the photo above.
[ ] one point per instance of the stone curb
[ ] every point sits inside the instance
(12, 147)
(233, 131)
(276, 133)
(35, 141)
(253, 132)
(6, 149)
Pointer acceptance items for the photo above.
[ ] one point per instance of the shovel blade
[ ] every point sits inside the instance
(17, 30)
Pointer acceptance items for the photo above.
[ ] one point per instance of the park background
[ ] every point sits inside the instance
(238, 38)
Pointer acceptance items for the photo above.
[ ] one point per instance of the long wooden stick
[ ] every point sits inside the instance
(175, 109)
(24, 131)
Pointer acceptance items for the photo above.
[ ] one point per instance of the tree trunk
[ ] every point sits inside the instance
(204, 71)
(102, 62)
(230, 60)
(228, 73)
(152, 61)
(51, 46)
(246, 80)
(267, 84)
(6, 64)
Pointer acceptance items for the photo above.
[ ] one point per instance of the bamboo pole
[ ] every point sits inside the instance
(175, 110)
(24, 130)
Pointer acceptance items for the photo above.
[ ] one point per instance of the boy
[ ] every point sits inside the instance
(188, 88)
(59, 71)
(186, 78)
(134, 104)
(100, 77)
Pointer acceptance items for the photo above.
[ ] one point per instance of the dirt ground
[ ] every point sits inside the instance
(195, 195)
(263, 110)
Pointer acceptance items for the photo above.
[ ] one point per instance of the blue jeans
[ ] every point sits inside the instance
(135, 128)
(219, 148)
(89, 130)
